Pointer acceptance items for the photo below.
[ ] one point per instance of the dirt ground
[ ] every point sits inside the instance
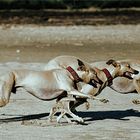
(31, 46)
(32, 43)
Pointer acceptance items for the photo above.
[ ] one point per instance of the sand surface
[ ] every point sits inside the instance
(31, 47)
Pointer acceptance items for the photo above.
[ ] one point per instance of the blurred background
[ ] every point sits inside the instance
(67, 4)
(81, 12)
(38, 30)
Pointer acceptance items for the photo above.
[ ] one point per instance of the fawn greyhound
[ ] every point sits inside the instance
(125, 85)
(111, 70)
(48, 85)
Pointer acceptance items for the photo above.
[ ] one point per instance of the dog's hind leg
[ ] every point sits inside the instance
(66, 110)
(54, 110)
(136, 83)
(63, 106)
(6, 85)
(59, 107)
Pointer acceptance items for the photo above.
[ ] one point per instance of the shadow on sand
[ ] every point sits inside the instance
(113, 114)
(22, 118)
(88, 116)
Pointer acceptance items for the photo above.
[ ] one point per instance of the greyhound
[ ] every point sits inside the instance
(61, 62)
(112, 70)
(48, 85)
(125, 85)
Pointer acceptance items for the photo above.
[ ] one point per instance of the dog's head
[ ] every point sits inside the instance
(89, 75)
(123, 68)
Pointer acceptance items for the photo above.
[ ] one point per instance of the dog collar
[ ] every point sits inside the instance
(74, 74)
(109, 77)
(78, 79)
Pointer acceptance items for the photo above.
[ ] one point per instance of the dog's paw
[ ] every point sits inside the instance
(136, 101)
(104, 100)
(80, 120)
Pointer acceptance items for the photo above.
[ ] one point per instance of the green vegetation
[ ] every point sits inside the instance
(67, 4)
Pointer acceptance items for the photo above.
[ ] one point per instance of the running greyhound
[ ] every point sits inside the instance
(111, 70)
(48, 85)
(125, 85)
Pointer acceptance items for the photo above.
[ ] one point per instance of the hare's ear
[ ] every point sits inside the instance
(82, 66)
(112, 62)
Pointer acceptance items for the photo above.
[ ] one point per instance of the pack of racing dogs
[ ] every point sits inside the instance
(71, 81)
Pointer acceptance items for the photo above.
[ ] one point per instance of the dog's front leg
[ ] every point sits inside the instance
(136, 83)
(92, 92)
(80, 94)
(63, 114)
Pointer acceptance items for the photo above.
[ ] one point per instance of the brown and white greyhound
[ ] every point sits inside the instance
(48, 85)
(111, 70)
(125, 85)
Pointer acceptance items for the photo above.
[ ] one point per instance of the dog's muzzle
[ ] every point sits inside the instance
(136, 72)
(129, 74)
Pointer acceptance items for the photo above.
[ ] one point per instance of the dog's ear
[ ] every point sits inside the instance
(113, 62)
(82, 66)
(80, 63)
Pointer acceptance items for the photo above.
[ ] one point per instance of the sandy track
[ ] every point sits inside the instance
(39, 43)
(117, 120)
